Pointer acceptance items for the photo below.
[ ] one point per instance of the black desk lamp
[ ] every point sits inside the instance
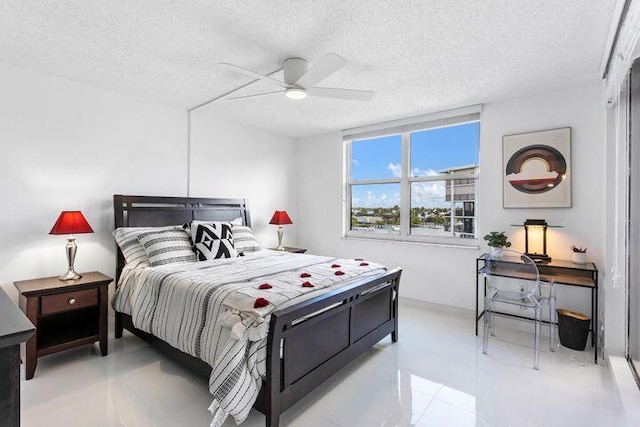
(541, 254)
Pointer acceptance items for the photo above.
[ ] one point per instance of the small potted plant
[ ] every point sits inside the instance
(497, 240)
(579, 254)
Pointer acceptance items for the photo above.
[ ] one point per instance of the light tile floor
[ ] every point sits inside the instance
(436, 375)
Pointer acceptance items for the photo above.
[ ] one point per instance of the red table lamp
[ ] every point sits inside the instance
(280, 218)
(71, 222)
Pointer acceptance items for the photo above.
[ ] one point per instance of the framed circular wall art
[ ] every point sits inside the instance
(537, 169)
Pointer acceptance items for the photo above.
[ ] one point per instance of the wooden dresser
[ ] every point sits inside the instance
(15, 328)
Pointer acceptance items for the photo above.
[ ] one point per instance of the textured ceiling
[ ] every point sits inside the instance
(418, 56)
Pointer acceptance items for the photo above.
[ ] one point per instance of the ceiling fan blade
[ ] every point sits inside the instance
(330, 92)
(322, 69)
(255, 75)
(256, 94)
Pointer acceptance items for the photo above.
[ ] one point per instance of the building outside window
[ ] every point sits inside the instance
(414, 182)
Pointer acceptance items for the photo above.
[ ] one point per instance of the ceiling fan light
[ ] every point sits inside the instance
(296, 93)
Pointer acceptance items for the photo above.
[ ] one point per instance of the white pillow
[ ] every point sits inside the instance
(167, 247)
(243, 239)
(133, 251)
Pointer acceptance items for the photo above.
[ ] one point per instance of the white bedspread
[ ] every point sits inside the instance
(207, 309)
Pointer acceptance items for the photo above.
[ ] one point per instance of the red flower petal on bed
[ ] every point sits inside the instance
(335, 265)
(364, 264)
(261, 302)
(265, 286)
(339, 273)
(308, 285)
(358, 259)
(303, 275)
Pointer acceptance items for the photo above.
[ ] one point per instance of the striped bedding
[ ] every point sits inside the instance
(210, 310)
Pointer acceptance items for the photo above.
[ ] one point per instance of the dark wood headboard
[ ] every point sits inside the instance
(151, 211)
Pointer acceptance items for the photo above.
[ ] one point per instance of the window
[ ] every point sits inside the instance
(416, 181)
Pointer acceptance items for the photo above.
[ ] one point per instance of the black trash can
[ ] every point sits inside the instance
(573, 329)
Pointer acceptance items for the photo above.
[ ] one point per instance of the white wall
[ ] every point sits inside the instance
(68, 146)
(445, 275)
(583, 225)
(238, 161)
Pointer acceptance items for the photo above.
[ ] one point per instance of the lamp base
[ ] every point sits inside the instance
(71, 256)
(70, 275)
(280, 232)
(539, 258)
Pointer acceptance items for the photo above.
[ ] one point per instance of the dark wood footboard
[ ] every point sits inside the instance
(316, 348)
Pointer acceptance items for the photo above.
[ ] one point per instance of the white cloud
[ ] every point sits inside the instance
(423, 172)
(370, 199)
(395, 169)
(428, 194)
(355, 162)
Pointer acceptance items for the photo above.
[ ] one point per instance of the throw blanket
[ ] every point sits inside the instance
(218, 311)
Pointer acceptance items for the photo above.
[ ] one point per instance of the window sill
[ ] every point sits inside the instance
(453, 243)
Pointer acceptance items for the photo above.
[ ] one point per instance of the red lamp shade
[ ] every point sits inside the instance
(71, 222)
(280, 218)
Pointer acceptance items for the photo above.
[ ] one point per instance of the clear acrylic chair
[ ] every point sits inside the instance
(512, 278)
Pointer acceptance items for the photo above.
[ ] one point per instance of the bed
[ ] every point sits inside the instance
(305, 342)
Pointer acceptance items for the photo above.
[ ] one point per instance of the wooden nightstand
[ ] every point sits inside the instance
(290, 249)
(66, 314)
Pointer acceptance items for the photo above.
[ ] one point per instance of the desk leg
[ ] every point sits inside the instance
(475, 319)
(594, 333)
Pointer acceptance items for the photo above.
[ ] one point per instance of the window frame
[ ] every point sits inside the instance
(405, 180)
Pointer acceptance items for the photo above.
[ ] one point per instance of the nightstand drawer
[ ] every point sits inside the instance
(50, 304)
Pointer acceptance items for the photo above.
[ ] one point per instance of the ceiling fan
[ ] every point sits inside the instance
(299, 79)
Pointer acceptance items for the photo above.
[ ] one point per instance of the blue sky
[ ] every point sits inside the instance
(431, 151)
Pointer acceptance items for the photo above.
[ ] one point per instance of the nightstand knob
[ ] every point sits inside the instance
(72, 301)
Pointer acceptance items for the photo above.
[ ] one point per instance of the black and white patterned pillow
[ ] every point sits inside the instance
(213, 240)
